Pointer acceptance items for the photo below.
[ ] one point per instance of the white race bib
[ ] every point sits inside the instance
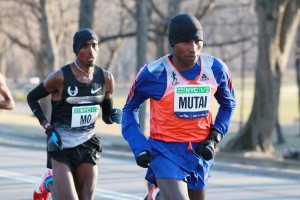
(192, 101)
(84, 115)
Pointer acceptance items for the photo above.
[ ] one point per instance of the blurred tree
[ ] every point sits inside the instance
(298, 68)
(159, 27)
(279, 133)
(114, 41)
(278, 21)
(141, 50)
(44, 43)
(5, 44)
(46, 55)
(86, 14)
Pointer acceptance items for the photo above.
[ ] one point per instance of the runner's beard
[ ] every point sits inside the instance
(90, 65)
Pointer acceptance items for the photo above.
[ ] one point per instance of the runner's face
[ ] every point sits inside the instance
(88, 53)
(187, 52)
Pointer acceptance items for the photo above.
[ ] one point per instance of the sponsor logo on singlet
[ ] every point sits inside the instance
(204, 78)
(72, 92)
(96, 90)
(174, 78)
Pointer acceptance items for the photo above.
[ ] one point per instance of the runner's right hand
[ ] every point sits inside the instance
(144, 159)
(54, 142)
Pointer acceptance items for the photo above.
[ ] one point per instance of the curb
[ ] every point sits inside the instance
(263, 161)
(262, 166)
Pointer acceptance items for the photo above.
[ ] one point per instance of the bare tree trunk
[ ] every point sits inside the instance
(243, 61)
(3, 58)
(50, 49)
(86, 14)
(142, 39)
(278, 22)
(280, 138)
(298, 70)
(49, 56)
(162, 43)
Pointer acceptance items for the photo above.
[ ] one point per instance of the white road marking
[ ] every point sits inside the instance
(108, 194)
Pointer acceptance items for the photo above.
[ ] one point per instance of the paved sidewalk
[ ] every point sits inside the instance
(21, 125)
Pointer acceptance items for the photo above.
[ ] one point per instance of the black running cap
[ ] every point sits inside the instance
(81, 37)
(183, 27)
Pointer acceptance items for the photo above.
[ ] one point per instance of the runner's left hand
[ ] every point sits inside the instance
(207, 148)
(116, 115)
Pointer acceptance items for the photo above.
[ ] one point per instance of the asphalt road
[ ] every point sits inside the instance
(21, 168)
(120, 178)
(234, 177)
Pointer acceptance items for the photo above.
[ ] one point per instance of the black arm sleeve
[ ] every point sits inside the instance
(107, 105)
(33, 96)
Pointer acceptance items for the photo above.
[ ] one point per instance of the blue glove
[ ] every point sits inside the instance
(116, 115)
(54, 142)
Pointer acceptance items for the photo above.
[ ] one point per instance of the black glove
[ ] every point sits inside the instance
(208, 147)
(144, 159)
(116, 115)
(54, 142)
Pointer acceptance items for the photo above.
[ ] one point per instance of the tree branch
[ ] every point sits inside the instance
(230, 42)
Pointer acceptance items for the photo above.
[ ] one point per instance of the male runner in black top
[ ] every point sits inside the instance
(78, 90)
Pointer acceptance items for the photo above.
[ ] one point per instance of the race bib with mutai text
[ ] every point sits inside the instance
(192, 101)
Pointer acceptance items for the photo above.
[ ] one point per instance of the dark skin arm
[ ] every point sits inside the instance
(109, 84)
(8, 102)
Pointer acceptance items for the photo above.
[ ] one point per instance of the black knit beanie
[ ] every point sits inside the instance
(81, 37)
(183, 27)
